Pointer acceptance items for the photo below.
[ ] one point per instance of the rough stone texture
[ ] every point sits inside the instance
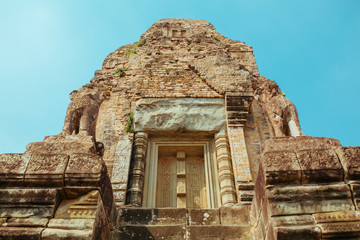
(350, 160)
(238, 215)
(12, 169)
(83, 170)
(20, 233)
(82, 112)
(46, 169)
(181, 223)
(179, 115)
(320, 165)
(25, 222)
(52, 234)
(23, 203)
(280, 111)
(204, 216)
(317, 203)
(63, 145)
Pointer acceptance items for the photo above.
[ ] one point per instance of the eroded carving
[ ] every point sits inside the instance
(280, 111)
(82, 112)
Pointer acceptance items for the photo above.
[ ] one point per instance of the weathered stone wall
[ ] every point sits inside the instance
(57, 189)
(303, 190)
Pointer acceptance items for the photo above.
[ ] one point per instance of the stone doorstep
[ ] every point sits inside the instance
(181, 231)
(229, 216)
(172, 231)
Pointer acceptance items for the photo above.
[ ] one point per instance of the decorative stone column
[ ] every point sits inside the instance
(237, 109)
(225, 170)
(137, 170)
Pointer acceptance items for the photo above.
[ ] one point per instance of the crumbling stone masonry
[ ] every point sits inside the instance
(178, 136)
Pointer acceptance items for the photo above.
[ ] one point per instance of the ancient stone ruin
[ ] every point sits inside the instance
(178, 136)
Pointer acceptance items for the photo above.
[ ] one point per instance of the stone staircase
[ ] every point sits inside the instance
(180, 223)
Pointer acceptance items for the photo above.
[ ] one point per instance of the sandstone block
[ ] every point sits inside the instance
(22, 203)
(355, 189)
(293, 227)
(350, 159)
(167, 216)
(320, 165)
(239, 215)
(341, 230)
(83, 170)
(174, 115)
(142, 216)
(299, 143)
(66, 223)
(219, 232)
(26, 222)
(294, 232)
(204, 216)
(171, 232)
(341, 216)
(46, 170)
(57, 234)
(281, 168)
(291, 200)
(59, 144)
(12, 169)
(20, 233)
(84, 207)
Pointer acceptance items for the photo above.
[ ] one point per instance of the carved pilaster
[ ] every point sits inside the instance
(225, 170)
(137, 170)
(237, 109)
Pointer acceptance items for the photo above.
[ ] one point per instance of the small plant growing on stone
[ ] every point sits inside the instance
(130, 123)
(120, 71)
(217, 39)
(139, 43)
(131, 51)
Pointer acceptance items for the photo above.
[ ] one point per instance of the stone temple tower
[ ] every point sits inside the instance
(178, 136)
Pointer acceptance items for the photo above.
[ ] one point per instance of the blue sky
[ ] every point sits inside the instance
(49, 48)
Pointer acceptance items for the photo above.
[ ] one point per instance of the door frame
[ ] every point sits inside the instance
(151, 167)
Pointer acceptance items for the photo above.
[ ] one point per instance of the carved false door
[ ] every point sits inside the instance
(181, 181)
(166, 182)
(195, 183)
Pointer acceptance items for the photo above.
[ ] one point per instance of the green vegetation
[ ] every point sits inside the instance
(131, 51)
(217, 39)
(138, 44)
(130, 123)
(120, 71)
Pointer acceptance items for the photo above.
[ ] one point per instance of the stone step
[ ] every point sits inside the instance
(181, 231)
(238, 215)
